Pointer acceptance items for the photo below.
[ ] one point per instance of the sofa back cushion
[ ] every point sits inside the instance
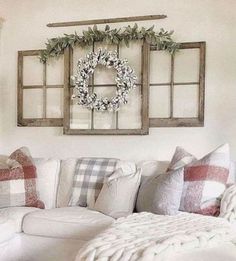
(67, 172)
(18, 181)
(48, 171)
(88, 179)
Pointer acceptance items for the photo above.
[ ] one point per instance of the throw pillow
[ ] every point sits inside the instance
(118, 194)
(161, 194)
(18, 181)
(205, 181)
(181, 158)
(88, 179)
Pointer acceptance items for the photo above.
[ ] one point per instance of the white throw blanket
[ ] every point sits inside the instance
(228, 204)
(145, 236)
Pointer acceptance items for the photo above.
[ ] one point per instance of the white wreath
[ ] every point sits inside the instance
(125, 81)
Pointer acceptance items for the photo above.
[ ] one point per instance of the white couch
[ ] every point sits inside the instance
(58, 232)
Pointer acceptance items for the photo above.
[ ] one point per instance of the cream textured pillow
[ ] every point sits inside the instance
(161, 194)
(118, 194)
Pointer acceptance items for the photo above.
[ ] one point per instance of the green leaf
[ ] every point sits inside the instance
(56, 46)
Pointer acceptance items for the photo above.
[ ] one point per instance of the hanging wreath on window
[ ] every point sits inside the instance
(125, 81)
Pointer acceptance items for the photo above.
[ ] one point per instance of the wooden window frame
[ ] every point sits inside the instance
(185, 122)
(33, 122)
(144, 130)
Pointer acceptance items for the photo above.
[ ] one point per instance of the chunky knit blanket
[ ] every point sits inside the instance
(228, 204)
(145, 236)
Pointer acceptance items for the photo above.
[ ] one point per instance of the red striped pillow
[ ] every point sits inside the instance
(205, 181)
(18, 181)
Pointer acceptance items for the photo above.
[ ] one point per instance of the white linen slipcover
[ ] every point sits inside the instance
(7, 230)
(48, 171)
(15, 216)
(70, 222)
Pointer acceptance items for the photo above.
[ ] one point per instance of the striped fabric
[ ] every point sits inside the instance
(205, 181)
(88, 179)
(18, 181)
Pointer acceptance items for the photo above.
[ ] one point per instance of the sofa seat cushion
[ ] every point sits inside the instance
(69, 222)
(14, 216)
(7, 230)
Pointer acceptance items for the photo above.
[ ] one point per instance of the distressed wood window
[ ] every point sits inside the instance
(177, 85)
(40, 90)
(132, 118)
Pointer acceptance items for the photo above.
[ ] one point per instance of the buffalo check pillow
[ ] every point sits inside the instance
(18, 181)
(88, 179)
(205, 181)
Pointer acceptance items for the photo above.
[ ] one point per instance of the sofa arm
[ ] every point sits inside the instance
(228, 204)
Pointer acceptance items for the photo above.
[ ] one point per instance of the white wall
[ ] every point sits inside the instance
(213, 21)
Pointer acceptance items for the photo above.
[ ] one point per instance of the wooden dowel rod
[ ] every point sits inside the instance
(108, 21)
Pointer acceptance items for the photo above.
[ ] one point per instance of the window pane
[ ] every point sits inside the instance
(185, 101)
(55, 103)
(160, 67)
(55, 71)
(32, 71)
(130, 114)
(159, 102)
(104, 120)
(80, 117)
(102, 74)
(187, 65)
(78, 53)
(33, 103)
(133, 54)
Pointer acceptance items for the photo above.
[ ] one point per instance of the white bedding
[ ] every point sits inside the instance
(145, 236)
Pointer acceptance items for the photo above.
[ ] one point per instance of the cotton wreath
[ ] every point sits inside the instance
(125, 81)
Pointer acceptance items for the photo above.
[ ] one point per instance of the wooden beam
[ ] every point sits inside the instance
(108, 21)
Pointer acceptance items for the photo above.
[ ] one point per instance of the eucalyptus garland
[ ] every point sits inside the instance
(125, 80)
(56, 46)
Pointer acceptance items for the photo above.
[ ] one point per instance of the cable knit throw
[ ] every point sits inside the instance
(228, 204)
(145, 236)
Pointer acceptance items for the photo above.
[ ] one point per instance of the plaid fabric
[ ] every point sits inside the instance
(205, 181)
(18, 181)
(88, 179)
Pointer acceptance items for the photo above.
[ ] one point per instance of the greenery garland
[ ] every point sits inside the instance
(56, 46)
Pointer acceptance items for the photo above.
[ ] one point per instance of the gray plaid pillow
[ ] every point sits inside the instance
(88, 179)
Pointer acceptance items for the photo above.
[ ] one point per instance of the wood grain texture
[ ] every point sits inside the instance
(175, 122)
(67, 98)
(145, 86)
(19, 89)
(33, 122)
(108, 21)
(116, 131)
(184, 122)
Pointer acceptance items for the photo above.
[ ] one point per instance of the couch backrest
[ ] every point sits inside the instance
(48, 172)
(55, 178)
